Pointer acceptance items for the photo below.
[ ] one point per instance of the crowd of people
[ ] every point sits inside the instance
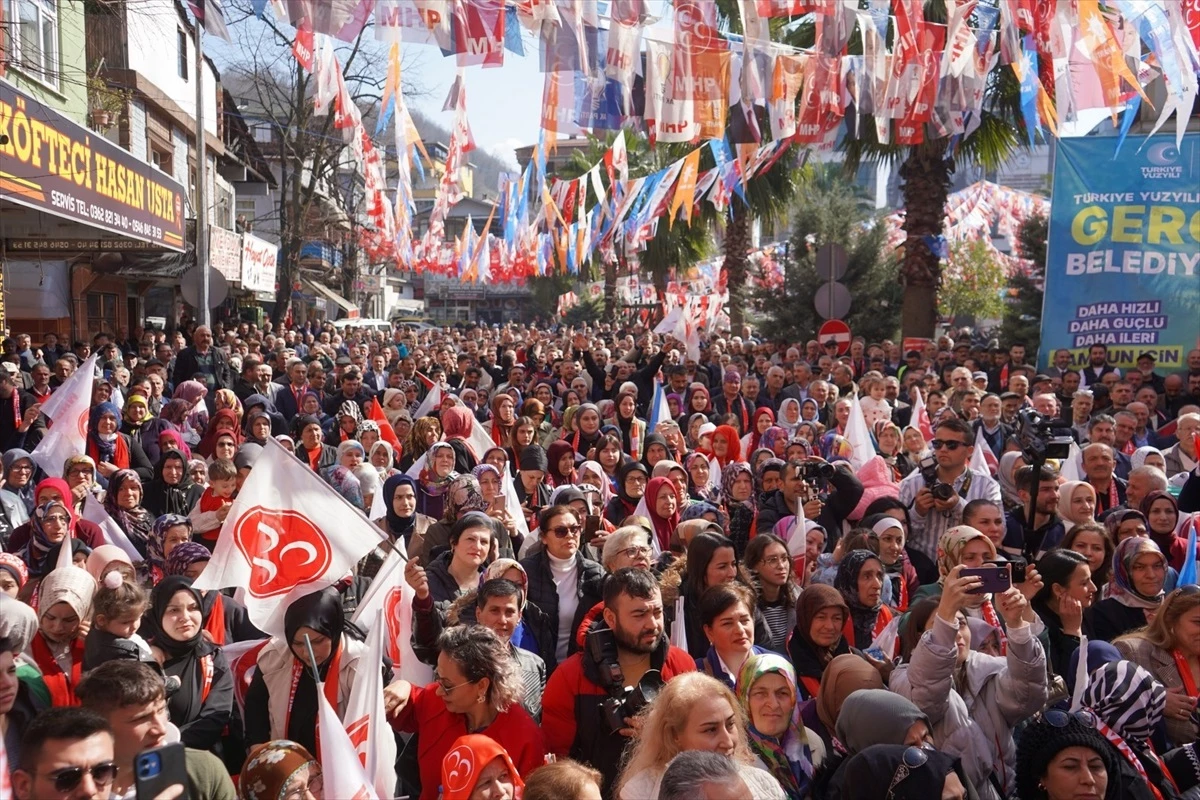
(635, 574)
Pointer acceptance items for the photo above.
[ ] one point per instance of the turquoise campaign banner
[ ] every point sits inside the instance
(1123, 259)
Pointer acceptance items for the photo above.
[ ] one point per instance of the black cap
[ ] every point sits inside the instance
(1010, 396)
(533, 457)
(1147, 355)
(1041, 377)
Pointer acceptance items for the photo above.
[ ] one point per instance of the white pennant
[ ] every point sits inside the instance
(366, 717)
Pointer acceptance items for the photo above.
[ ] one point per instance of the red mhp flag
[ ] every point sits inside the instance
(920, 417)
(288, 534)
(375, 413)
(343, 772)
(366, 717)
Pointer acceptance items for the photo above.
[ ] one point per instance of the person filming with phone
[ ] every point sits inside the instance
(942, 485)
(973, 700)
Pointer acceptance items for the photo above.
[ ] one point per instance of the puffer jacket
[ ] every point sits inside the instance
(994, 694)
(543, 593)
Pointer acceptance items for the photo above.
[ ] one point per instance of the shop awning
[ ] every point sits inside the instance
(329, 294)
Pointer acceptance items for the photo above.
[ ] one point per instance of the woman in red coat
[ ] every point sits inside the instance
(477, 691)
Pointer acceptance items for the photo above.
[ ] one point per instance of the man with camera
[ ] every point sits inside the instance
(1048, 530)
(591, 700)
(943, 484)
(829, 493)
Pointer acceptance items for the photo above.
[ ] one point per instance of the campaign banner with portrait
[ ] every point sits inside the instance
(1123, 258)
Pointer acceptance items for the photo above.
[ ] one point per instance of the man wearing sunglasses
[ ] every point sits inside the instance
(66, 753)
(952, 445)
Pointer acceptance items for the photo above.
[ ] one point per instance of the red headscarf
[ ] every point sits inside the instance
(458, 423)
(462, 766)
(755, 436)
(733, 450)
(64, 490)
(209, 442)
(663, 526)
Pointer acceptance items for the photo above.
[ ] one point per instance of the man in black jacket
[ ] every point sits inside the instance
(844, 491)
(204, 361)
(21, 423)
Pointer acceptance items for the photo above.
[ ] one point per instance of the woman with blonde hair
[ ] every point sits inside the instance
(1169, 649)
(692, 712)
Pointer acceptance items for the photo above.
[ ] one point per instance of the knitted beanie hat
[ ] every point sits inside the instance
(1042, 740)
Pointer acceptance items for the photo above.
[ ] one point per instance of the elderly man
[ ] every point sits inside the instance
(1099, 463)
(1181, 457)
(205, 362)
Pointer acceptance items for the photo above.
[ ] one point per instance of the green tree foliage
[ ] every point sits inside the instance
(828, 209)
(1023, 312)
(972, 283)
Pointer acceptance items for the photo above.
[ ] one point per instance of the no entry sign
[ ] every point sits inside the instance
(837, 331)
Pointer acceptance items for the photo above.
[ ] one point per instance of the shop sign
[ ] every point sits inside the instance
(260, 260)
(51, 164)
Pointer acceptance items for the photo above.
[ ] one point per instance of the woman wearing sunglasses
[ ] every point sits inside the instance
(1063, 757)
(476, 690)
(558, 574)
(1169, 648)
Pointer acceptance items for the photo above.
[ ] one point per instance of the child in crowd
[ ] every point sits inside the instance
(209, 514)
(118, 605)
(875, 407)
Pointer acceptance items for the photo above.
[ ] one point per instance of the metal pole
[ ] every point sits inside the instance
(201, 197)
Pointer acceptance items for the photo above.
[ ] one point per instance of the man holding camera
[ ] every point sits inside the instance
(1048, 530)
(942, 486)
(591, 700)
(829, 493)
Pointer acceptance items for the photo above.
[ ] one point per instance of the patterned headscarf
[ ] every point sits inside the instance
(787, 757)
(154, 545)
(37, 551)
(1138, 459)
(1127, 698)
(463, 495)
(835, 447)
(952, 543)
(773, 436)
(729, 474)
(344, 482)
(184, 555)
(1121, 583)
(268, 771)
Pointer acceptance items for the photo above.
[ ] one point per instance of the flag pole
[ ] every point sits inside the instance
(201, 179)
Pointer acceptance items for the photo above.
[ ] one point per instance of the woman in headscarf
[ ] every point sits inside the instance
(13, 575)
(172, 490)
(154, 432)
(224, 421)
(1132, 704)
(50, 524)
(435, 479)
(662, 508)
(64, 603)
(766, 690)
(592, 474)
(1161, 511)
(789, 414)
(587, 436)
(282, 699)
(1076, 504)
(341, 475)
(821, 615)
(504, 419)
(224, 619)
(457, 424)
(112, 450)
(123, 502)
(883, 771)
(170, 531)
(737, 495)
(810, 412)
(203, 704)
(633, 428)
(1006, 475)
(401, 522)
(860, 580)
(58, 489)
(135, 414)
(762, 419)
(654, 449)
(1139, 573)
(843, 676)
(1151, 456)
(973, 700)
(382, 456)
(775, 439)
(699, 401)
(195, 418)
(281, 769)
(462, 495)
(258, 427)
(225, 398)
(345, 426)
(726, 446)
(835, 447)
(699, 470)
(425, 432)
(1123, 524)
(965, 546)
(632, 480)
(560, 460)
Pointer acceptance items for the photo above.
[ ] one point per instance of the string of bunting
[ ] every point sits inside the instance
(744, 101)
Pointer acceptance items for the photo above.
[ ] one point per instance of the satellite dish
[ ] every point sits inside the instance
(189, 287)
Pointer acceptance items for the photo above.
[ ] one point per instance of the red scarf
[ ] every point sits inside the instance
(16, 404)
(881, 621)
(120, 458)
(1185, 673)
(331, 688)
(498, 437)
(1122, 747)
(215, 624)
(61, 687)
(989, 616)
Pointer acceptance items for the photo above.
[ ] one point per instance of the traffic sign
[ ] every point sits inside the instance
(831, 261)
(832, 300)
(838, 331)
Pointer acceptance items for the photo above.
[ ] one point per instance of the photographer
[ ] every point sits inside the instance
(938, 491)
(587, 711)
(830, 492)
(1048, 529)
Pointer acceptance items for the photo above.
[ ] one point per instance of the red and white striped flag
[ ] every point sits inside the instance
(288, 534)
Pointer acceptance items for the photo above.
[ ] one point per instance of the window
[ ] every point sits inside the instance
(101, 312)
(182, 59)
(35, 40)
(246, 210)
(262, 132)
(162, 157)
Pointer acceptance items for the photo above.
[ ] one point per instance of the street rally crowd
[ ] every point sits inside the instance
(774, 572)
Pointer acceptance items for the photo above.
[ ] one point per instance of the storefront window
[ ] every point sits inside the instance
(35, 40)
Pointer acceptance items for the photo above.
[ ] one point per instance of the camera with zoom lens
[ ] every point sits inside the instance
(631, 700)
(1041, 437)
(928, 468)
(812, 471)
